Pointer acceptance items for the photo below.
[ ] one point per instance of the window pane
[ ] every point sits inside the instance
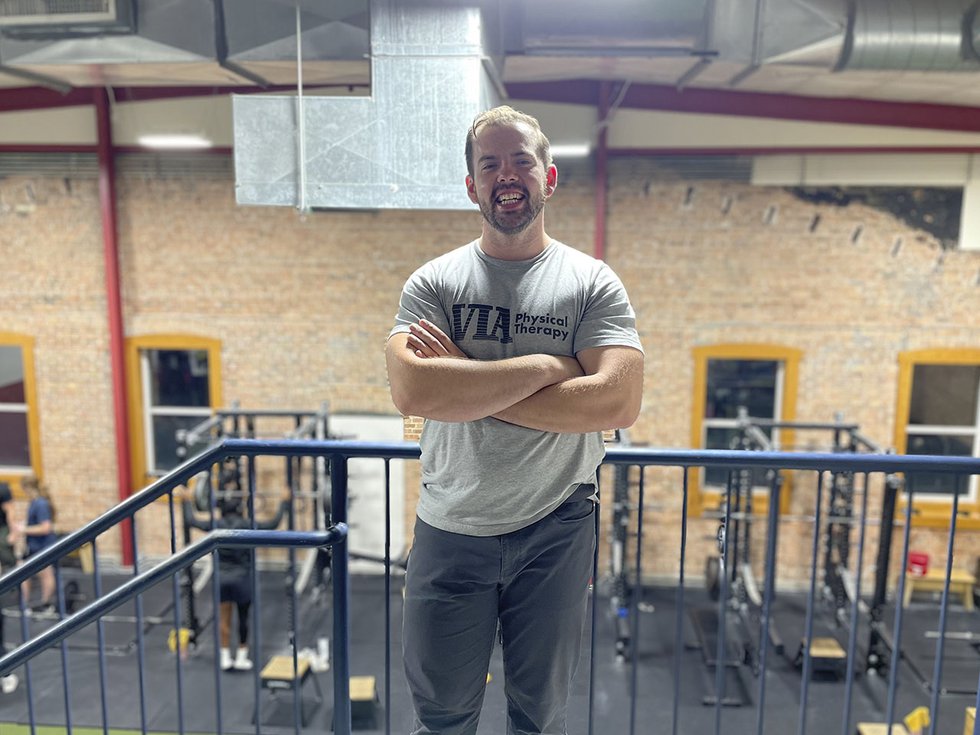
(722, 439)
(14, 448)
(945, 395)
(179, 378)
(939, 482)
(734, 383)
(11, 375)
(165, 440)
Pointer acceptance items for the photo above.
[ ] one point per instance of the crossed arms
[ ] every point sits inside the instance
(431, 377)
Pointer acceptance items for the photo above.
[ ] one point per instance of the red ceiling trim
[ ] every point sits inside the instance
(48, 148)
(38, 98)
(94, 148)
(756, 104)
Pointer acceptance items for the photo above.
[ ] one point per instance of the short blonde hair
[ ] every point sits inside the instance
(506, 115)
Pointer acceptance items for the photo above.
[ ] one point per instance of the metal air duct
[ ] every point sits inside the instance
(400, 148)
(909, 35)
(915, 35)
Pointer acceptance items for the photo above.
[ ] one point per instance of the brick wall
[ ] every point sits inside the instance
(302, 305)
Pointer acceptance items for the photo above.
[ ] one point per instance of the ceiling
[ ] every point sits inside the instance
(901, 53)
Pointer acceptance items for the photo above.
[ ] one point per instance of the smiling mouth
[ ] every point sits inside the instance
(509, 200)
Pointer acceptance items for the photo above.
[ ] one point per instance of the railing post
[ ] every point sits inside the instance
(341, 624)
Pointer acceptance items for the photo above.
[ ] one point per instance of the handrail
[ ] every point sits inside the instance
(338, 452)
(833, 462)
(225, 538)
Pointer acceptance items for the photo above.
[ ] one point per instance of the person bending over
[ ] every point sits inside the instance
(235, 590)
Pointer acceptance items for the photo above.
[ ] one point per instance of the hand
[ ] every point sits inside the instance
(429, 341)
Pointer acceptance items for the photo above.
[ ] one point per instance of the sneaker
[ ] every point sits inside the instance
(8, 683)
(242, 661)
(226, 662)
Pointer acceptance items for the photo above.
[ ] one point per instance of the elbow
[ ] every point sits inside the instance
(626, 415)
(407, 403)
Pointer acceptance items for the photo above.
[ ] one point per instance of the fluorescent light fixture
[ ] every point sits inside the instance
(171, 141)
(570, 150)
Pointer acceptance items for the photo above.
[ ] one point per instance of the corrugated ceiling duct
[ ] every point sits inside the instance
(915, 35)
(910, 34)
(402, 147)
(937, 35)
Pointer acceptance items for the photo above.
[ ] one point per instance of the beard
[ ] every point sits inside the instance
(516, 221)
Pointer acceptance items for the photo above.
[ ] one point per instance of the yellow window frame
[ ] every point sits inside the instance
(699, 497)
(134, 389)
(26, 345)
(930, 513)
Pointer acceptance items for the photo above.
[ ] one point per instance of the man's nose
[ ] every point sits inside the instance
(506, 173)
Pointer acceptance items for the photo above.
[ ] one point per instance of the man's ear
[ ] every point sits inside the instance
(471, 189)
(551, 179)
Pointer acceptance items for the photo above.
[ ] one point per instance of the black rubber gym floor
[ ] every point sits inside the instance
(655, 650)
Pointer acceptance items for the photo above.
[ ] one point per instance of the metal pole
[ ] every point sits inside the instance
(807, 662)
(341, 595)
(679, 616)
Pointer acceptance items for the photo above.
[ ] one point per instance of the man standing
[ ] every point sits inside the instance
(518, 351)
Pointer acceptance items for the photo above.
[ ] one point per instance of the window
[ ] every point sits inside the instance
(173, 386)
(19, 442)
(939, 414)
(755, 385)
(761, 378)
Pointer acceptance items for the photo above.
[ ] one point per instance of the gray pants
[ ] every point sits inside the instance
(535, 582)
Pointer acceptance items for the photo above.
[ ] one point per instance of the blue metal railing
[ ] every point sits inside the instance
(126, 511)
(339, 452)
(105, 604)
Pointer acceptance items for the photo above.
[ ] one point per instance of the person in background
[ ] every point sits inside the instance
(234, 565)
(38, 534)
(8, 558)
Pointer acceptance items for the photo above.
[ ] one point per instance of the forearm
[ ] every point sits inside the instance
(454, 389)
(578, 406)
(269, 524)
(608, 396)
(39, 529)
(191, 519)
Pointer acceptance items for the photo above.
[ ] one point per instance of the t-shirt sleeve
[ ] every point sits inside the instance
(420, 300)
(609, 319)
(42, 511)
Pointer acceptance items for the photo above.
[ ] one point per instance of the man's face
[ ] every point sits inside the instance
(509, 181)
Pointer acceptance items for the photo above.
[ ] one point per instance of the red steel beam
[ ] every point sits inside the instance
(601, 173)
(757, 104)
(107, 201)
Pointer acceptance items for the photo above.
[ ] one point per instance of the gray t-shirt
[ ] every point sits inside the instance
(488, 477)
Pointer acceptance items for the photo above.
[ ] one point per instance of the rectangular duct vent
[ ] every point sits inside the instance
(56, 12)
